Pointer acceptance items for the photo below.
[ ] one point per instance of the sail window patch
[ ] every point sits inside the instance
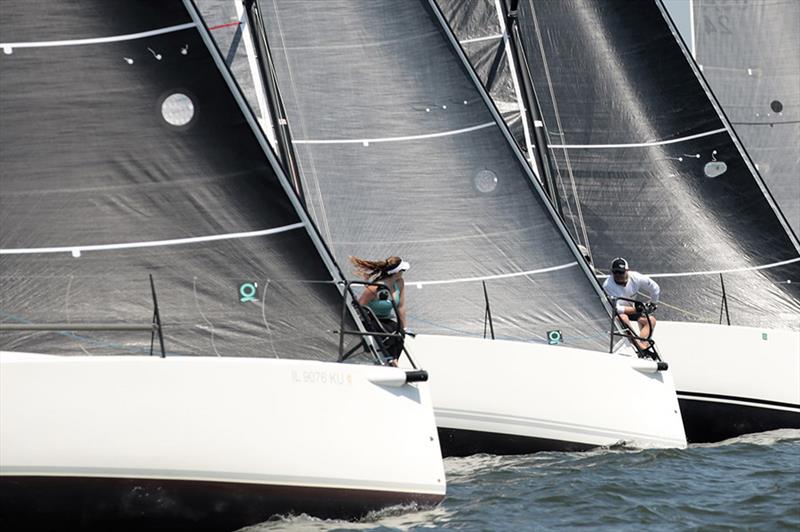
(485, 181)
(177, 109)
(715, 168)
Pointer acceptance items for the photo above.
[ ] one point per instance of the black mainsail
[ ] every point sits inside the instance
(749, 53)
(400, 154)
(648, 169)
(129, 155)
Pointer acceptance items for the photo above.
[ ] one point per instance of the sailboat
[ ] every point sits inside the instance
(749, 53)
(400, 153)
(171, 320)
(647, 167)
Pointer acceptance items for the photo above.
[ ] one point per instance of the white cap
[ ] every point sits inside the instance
(403, 266)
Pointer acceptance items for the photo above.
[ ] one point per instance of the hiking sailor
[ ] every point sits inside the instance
(624, 284)
(382, 302)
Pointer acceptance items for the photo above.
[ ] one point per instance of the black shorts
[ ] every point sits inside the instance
(393, 346)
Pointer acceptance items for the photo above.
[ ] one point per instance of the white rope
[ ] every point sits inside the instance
(76, 250)
(717, 272)
(479, 39)
(499, 276)
(367, 142)
(637, 144)
(9, 46)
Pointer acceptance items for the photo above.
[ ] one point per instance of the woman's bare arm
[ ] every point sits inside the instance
(401, 308)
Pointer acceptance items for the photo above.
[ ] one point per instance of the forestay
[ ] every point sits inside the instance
(124, 153)
(400, 155)
(649, 171)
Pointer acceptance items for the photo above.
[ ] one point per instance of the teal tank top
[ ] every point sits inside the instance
(383, 307)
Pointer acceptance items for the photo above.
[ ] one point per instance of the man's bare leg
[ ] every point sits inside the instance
(645, 328)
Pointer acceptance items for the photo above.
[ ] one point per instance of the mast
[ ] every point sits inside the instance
(519, 63)
(274, 101)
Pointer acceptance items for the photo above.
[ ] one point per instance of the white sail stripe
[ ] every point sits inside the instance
(717, 272)
(97, 40)
(479, 39)
(420, 284)
(152, 243)
(639, 144)
(397, 139)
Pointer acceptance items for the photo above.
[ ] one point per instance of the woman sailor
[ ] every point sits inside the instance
(383, 300)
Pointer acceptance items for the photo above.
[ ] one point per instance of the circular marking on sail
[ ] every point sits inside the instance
(776, 106)
(177, 109)
(485, 181)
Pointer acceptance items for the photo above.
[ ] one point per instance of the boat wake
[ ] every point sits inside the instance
(399, 517)
(760, 438)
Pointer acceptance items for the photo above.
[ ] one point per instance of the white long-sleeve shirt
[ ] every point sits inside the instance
(636, 282)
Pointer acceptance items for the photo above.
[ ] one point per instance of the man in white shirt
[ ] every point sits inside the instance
(627, 284)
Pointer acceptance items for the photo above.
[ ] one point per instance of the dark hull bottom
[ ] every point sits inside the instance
(707, 421)
(456, 442)
(61, 503)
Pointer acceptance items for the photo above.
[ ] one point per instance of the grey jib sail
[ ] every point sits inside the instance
(647, 169)
(400, 155)
(124, 153)
(750, 54)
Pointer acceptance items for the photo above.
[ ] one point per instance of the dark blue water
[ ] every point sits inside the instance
(751, 482)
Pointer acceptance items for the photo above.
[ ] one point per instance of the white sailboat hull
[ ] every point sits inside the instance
(732, 380)
(498, 396)
(197, 442)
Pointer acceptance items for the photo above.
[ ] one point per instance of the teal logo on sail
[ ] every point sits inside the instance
(553, 337)
(248, 292)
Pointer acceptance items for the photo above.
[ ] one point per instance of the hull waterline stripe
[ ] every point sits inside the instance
(152, 243)
(499, 276)
(396, 139)
(717, 272)
(8, 46)
(479, 39)
(747, 401)
(47, 470)
(451, 416)
(638, 144)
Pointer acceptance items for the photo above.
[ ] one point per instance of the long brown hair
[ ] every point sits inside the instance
(374, 269)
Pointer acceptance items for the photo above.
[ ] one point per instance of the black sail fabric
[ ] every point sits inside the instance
(750, 55)
(125, 154)
(647, 169)
(401, 156)
(477, 25)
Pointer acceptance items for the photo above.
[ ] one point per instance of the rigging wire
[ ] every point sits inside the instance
(583, 231)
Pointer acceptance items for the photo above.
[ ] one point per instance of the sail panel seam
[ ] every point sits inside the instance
(152, 243)
(480, 39)
(717, 272)
(395, 139)
(420, 284)
(639, 144)
(7, 46)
